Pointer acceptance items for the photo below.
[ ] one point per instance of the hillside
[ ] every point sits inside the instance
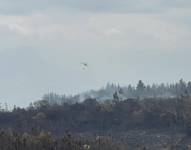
(109, 116)
(107, 125)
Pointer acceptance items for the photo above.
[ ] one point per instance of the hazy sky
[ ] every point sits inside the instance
(43, 42)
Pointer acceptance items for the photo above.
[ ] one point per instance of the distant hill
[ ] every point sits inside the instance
(112, 91)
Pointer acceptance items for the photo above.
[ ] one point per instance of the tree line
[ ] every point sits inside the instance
(109, 116)
(112, 91)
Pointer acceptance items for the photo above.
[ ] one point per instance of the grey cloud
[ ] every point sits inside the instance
(24, 7)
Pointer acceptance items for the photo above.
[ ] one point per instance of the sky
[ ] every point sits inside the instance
(43, 43)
